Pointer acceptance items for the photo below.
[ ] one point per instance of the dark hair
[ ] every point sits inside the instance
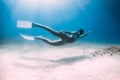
(80, 31)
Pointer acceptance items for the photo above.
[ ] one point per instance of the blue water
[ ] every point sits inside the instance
(100, 16)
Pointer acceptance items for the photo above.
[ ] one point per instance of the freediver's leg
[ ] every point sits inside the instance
(28, 24)
(56, 33)
(54, 43)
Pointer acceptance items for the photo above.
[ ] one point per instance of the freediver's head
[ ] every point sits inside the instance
(80, 32)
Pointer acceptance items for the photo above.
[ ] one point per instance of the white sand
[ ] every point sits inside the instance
(23, 62)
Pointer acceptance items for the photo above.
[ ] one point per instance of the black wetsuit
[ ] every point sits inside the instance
(64, 38)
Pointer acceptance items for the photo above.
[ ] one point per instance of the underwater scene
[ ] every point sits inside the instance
(59, 40)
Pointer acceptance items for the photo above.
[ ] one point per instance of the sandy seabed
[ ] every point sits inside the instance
(86, 62)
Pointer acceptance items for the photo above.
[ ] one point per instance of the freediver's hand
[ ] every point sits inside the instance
(88, 32)
(85, 34)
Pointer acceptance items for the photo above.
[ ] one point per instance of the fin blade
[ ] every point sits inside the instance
(24, 24)
(27, 37)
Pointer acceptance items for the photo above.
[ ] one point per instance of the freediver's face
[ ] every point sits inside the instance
(80, 32)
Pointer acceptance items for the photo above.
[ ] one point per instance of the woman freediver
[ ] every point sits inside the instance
(64, 38)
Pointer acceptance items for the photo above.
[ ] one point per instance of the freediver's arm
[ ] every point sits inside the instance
(83, 35)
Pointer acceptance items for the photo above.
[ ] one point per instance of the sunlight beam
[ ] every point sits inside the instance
(50, 4)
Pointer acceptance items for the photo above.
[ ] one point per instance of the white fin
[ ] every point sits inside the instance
(27, 37)
(24, 24)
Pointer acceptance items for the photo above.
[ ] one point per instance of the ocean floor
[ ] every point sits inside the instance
(86, 62)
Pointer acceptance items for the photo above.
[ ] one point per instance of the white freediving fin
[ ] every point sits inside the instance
(24, 24)
(27, 37)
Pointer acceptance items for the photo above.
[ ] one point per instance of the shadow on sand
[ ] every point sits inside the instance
(46, 63)
(65, 60)
(69, 60)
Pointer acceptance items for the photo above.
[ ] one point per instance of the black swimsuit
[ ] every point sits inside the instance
(66, 39)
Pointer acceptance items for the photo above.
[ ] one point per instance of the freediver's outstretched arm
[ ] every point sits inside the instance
(83, 35)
